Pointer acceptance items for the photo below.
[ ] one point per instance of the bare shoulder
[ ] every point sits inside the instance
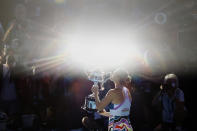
(111, 92)
(115, 92)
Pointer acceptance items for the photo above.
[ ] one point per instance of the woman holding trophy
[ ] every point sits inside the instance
(120, 99)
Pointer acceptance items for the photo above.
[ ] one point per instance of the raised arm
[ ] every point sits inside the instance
(100, 105)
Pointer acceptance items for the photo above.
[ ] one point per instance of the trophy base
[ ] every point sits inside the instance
(90, 104)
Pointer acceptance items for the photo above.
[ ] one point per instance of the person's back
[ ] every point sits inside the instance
(121, 103)
(119, 114)
(120, 100)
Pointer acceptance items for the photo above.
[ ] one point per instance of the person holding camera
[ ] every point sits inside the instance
(120, 100)
(170, 101)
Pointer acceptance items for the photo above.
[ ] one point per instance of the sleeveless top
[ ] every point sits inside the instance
(122, 109)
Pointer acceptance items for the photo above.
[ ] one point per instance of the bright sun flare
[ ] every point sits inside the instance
(105, 53)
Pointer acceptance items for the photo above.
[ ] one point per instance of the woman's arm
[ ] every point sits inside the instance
(104, 113)
(100, 105)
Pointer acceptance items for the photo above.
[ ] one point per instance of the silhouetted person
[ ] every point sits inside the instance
(171, 101)
(8, 94)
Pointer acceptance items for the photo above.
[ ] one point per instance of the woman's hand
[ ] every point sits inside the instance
(95, 89)
(104, 113)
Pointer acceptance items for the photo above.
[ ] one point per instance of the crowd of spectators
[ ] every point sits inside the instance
(55, 99)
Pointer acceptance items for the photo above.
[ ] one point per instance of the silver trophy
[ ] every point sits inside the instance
(96, 77)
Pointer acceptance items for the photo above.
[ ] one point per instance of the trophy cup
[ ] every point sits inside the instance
(90, 104)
